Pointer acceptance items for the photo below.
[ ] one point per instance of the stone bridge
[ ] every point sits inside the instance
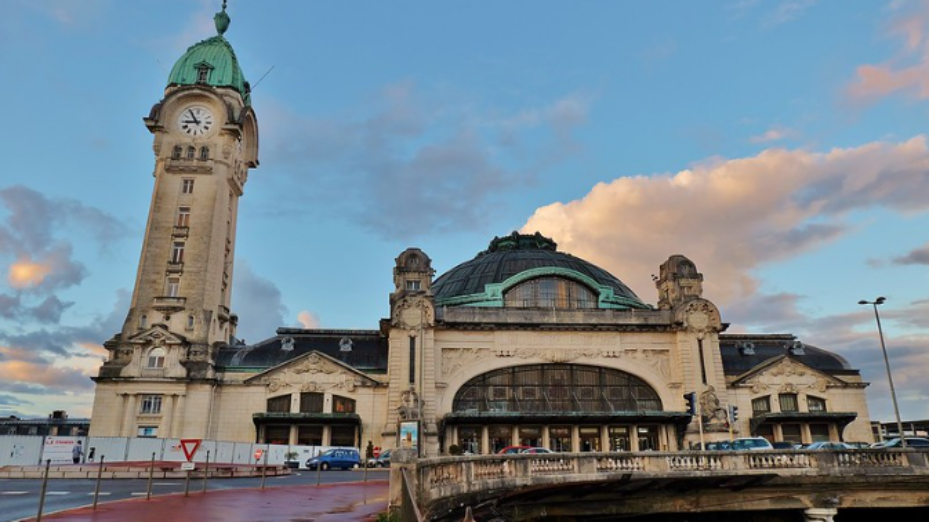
(773, 485)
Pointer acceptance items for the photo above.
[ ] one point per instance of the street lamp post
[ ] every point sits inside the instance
(890, 379)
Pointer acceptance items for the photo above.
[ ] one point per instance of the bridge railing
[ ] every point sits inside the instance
(444, 477)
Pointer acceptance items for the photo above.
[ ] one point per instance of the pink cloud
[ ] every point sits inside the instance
(732, 216)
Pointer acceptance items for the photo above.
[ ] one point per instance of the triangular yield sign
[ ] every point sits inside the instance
(190, 447)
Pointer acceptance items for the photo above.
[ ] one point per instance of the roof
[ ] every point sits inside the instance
(763, 348)
(368, 350)
(532, 255)
(215, 54)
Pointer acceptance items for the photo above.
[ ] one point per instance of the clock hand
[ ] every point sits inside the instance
(196, 121)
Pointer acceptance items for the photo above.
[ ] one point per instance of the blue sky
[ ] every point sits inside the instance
(781, 145)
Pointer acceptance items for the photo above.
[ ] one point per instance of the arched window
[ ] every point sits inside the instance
(191, 152)
(176, 153)
(548, 388)
(156, 358)
(143, 321)
(204, 153)
(550, 292)
(279, 404)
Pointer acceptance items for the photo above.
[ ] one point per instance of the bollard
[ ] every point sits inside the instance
(206, 470)
(99, 475)
(264, 468)
(38, 518)
(319, 469)
(151, 474)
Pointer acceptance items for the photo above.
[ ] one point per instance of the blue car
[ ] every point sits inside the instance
(344, 458)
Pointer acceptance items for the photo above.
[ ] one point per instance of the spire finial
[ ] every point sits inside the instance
(221, 19)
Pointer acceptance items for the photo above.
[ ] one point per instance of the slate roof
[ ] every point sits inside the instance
(510, 255)
(737, 361)
(368, 353)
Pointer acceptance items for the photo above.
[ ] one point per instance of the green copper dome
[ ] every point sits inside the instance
(211, 62)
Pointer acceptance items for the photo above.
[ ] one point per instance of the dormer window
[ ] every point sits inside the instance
(156, 358)
(550, 292)
(203, 72)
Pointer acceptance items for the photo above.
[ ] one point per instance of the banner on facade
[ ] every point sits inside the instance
(60, 449)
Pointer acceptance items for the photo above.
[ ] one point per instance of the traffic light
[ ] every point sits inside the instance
(691, 400)
(733, 413)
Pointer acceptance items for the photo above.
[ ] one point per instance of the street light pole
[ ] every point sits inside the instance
(890, 379)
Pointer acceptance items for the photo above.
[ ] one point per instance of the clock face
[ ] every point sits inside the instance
(195, 120)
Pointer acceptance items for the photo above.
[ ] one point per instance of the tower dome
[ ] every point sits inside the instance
(514, 260)
(211, 62)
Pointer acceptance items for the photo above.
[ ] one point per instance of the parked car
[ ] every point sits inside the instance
(859, 445)
(911, 442)
(751, 443)
(510, 450)
(344, 458)
(826, 445)
(782, 445)
(537, 450)
(382, 460)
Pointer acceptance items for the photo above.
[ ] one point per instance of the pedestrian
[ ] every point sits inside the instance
(77, 452)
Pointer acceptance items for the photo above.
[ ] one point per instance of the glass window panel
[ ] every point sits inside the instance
(469, 439)
(819, 432)
(550, 292)
(791, 433)
(500, 437)
(788, 402)
(342, 404)
(530, 435)
(310, 435)
(279, 404)
(815, 404)
(619, 438)
(311, 403)
(559, 438)
(648, 438)
(342, 435)
(761, 405)
(277, 434)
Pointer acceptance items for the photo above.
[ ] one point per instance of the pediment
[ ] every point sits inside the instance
(785, 374)
(157, 334)
(312, 372)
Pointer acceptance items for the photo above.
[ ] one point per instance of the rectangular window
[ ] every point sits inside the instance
(819, 432)
(791, 433)
(412, 286)
(310, 435)
(761, 405)
(619, 438)
(648, 438)
(311, 402)
(177, 253)
(412, 360)
(815, 404)
(148, 431)
(173, 287)
(279, 404)
(469, 439)
(183, 216)
(187, 186)
(342, 404)
(788, 402)
(342, 435)
(151, 404)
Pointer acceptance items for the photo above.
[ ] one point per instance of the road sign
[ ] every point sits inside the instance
(258, 453)
(190, 447)
(188, 466)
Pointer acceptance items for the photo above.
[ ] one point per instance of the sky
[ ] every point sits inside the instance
(779, 144)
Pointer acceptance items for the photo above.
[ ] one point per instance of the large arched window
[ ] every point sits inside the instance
(156, 357)
(556, 388)
(550, 292)
(280, 404)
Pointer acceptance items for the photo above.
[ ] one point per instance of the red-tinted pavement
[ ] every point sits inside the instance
(349, 502)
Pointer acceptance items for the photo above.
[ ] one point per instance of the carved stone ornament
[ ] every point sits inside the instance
(710, 407)
(789, 376)
(410, 406)
(552, 355)
(413, 313)
(314, 364)
(700, 317)
(453, 359)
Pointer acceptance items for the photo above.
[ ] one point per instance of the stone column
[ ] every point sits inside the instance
(168, 415)
(546, 437)
(604, 438)
(485, 440)
(819, 514)
(129, 419)
(178, 425)
(327, 435)
(575, 439)
(292, 438)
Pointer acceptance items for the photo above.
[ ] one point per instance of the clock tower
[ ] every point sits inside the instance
(159, 373)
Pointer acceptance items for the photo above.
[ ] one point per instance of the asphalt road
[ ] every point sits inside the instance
(19, 498)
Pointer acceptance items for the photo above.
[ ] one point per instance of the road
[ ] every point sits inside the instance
(19, 498)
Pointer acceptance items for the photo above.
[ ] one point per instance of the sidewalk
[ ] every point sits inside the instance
(348, 502)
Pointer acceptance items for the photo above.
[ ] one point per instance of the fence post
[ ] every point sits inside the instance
(264, 468)
(206, 470)
(38, 518)
(151, 474)
(99, 475)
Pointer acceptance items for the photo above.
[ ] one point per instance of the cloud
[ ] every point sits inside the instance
(258, 302)
(919, 256)
(431, 166)
(908, 70)
(308, 319)
(732, 216)
(36, 378)
(773, 134)
(788, 10)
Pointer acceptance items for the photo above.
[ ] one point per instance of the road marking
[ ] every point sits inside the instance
(13, 492)
(166, 483)
(102, 494)
(139, 494)
(57, 492)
